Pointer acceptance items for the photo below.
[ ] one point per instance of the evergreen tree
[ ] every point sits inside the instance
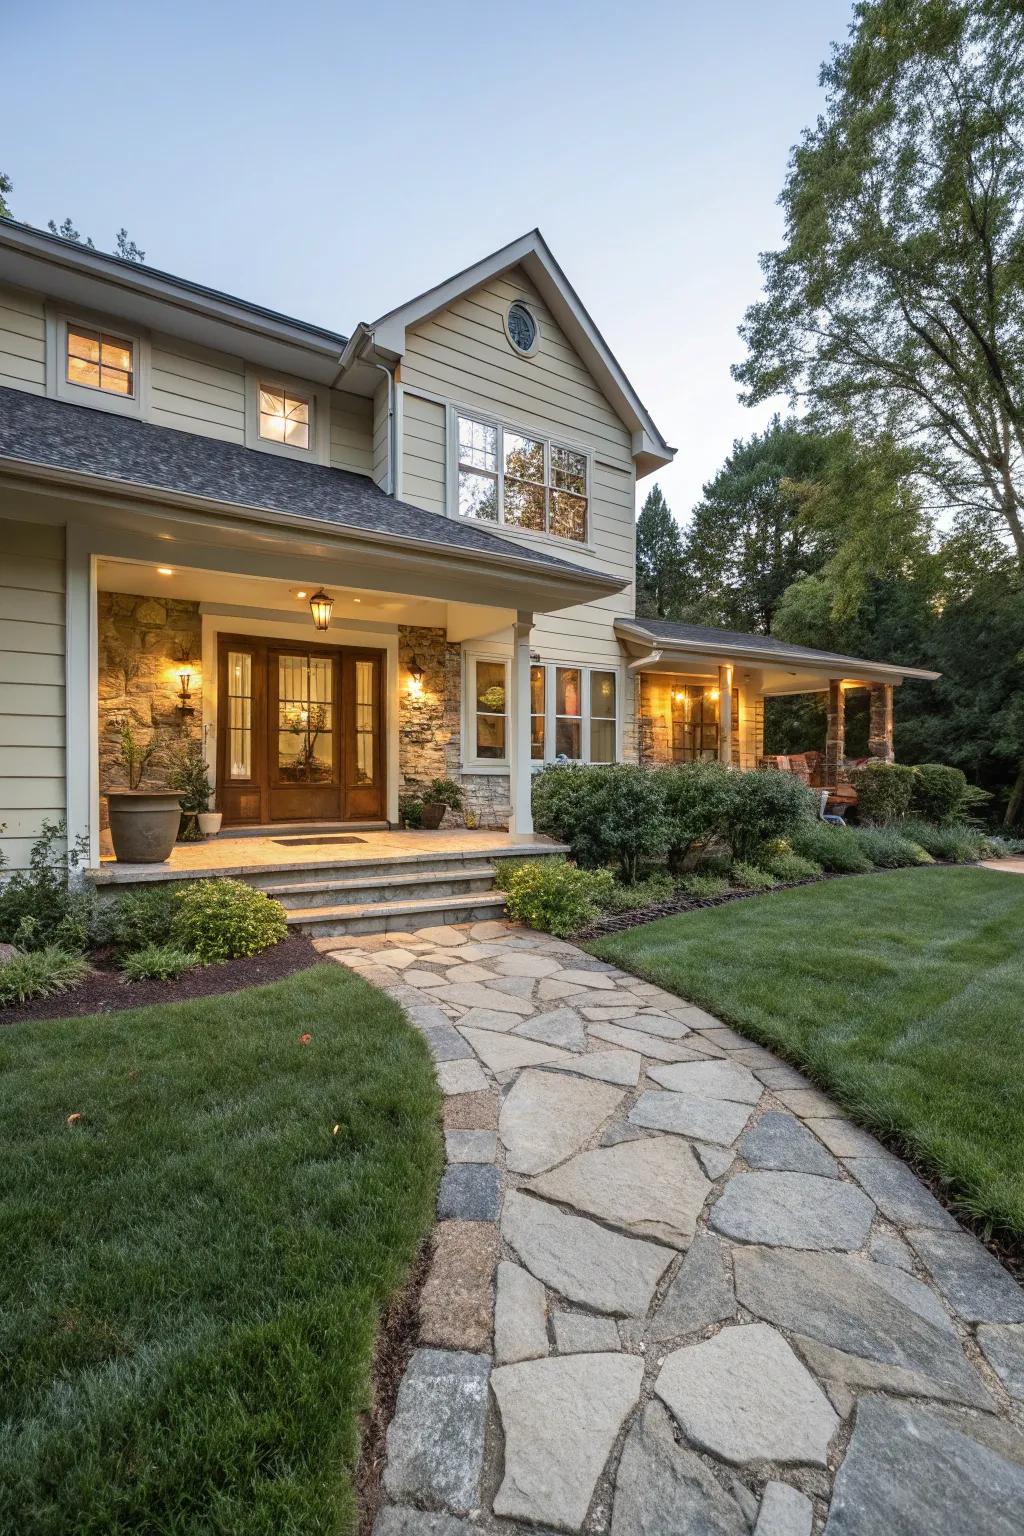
(659, 559)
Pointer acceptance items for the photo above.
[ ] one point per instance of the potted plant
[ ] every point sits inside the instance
(143, 822)
(442, 795)
(410, 810)
(191, 777)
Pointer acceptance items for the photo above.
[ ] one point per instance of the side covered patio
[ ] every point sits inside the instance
(699, 694)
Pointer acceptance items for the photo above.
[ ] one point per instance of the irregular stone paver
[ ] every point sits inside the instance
(652, 1187)
(576, 1333)
(488, 1018)
(470, 1192)
(714, 1160)
(865, 1334)
(844, 1139)
(785, 1511)
(887, 1248)
(393, 1521)
(435, 1441)
(502, 1053)
(584, 1262)
(470, 1146)
(638, 1040)
(898, 1194)
(662, 1487)
(622, 1067)
(908, 1473)
(520, 1316)
(549, 1115)
(716, 1120)
(745, 1396)
(657, 1024)
(973, 1282)
(560, 1418)
(808, 1103)
(455, 1303)
(793, 1210)
(1003, 1347)
(460, 1077)
(445, 1043)
(560, 1027)
(473, 994)
(780, 1142)
(701, 1293)
(713, 1079)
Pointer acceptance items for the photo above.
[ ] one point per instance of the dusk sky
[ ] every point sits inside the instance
(332, 160)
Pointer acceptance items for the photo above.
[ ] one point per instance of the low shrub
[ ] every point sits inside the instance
(956, 844)
(551, 894)
(633, 898)
(157, 962)
(410, 808)
(834, 848)
(704, 887)
(698, 803)
(788, 868)
(613, 814)
(39, 907)
(888, 849)
(884, 791)
(939, 793)
(225, 919)
(40, 973)
(750, 877)
(137, 918)
(766, 805)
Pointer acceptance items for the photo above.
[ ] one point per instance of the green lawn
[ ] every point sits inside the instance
(192, 1274)
(901, 993)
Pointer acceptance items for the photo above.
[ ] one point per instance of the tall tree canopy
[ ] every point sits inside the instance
(897, 301)
(659, 559)
(123, 245)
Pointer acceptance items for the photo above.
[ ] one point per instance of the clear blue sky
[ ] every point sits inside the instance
(331, 160)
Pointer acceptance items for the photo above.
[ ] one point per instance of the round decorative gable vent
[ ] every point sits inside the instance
(521, 328)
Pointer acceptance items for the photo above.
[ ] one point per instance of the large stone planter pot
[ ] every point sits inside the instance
(433, 815)
(143, 824)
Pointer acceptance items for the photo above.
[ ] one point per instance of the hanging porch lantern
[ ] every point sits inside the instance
(321, 606)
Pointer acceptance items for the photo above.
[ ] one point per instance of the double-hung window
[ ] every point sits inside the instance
(521, 481)
(573, 714)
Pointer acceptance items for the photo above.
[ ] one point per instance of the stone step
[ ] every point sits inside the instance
(397, 883)
(396, 916)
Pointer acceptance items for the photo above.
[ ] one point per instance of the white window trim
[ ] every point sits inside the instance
(470, 762)
(59, 387)
(586, 669)
(319, 450)
(506, 529)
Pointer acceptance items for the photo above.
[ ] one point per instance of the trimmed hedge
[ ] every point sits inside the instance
(834, 848)
(551, 894)
(606, 815)
(884, 792)
(888, 849)
(225, 919)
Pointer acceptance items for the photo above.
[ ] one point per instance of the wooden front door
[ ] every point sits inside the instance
(299, 731)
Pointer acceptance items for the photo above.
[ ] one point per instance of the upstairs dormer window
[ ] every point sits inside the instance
(96, 360)
(285, 417)
(521, 481)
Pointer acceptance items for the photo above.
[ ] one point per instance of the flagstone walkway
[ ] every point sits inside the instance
(674, 1292)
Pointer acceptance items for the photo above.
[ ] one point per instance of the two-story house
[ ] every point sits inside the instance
(355, 562)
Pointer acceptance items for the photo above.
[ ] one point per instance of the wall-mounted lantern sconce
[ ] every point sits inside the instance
(185, 705)
(321, 606)
(415, 676)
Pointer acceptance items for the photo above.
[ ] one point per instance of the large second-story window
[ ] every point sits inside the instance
(522, 481)
(284, 417)
(98, 361)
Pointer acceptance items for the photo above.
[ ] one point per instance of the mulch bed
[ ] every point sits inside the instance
(106, 991)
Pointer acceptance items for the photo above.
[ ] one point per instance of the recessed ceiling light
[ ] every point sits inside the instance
(301, 594)
(164, 570)
(357, 599)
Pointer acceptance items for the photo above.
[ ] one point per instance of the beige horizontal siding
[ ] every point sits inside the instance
(351, 432)
(32, 696)
(22, 341)
(197, 390)
(423, 452)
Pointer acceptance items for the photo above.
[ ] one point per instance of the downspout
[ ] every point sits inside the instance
(390, 485)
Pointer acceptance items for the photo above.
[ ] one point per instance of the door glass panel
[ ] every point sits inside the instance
(305, 725)
(240, 714)
(537, 681)
(365, 716)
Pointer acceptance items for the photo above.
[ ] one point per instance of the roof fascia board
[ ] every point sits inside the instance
(883, 671)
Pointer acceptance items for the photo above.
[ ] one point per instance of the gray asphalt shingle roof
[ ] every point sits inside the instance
(70, 437)
(667, 631)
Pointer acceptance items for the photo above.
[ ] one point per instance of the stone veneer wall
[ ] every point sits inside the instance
(430, 729)
(143, 643)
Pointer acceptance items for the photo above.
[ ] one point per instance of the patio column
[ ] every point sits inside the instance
(82, 805)
(835, 734)
(880, 734)
(520, 771)
(725, 714)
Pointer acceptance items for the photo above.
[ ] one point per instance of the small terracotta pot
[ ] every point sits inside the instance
(143, 824)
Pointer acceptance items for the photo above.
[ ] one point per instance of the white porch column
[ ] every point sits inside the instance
(520, 774)
(81, 685)
(725, 714)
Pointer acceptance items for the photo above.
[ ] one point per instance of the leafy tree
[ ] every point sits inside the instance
(123, 246)
(6, 185)
(897, 300)
(659, 559)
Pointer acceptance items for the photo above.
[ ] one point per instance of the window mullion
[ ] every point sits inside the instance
(501, 474)
(549, 713)
(585, 707)
(547, 486)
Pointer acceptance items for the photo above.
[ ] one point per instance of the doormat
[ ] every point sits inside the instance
(316, 842)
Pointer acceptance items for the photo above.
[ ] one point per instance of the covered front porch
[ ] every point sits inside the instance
(700, 695)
